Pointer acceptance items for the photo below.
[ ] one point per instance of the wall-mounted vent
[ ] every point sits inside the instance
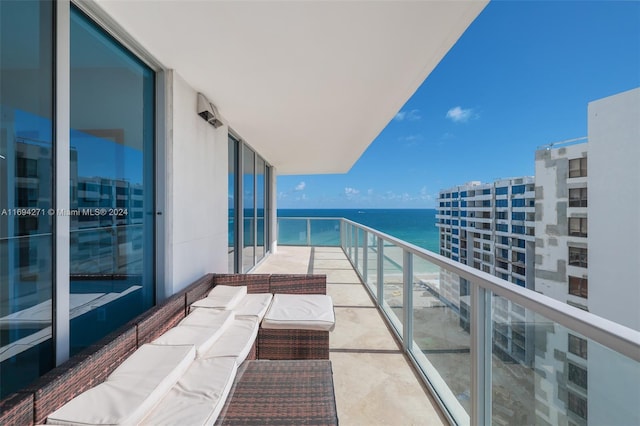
(208, 111)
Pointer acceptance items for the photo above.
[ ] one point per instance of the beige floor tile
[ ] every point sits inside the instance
(328, 250)
(380, 389)
(288, 260)
(360, 328)
(349, 295)
(329, 255)
(331, 264)
(337, 276)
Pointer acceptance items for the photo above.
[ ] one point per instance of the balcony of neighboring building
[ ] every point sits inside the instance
(416, 335)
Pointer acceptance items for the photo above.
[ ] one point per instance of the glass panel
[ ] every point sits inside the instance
(544, 373)
(325, 232)
(393, 286)
(372, 263)
(248, 200)
(233, 158)
(112, 184)
(441, 333)
(26, 192)
(292, 232)
(361, 251)
(260, 208)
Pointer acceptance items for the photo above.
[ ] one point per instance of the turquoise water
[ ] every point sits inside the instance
(416, 226)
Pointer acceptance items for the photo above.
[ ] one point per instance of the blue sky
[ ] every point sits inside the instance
(521, 76)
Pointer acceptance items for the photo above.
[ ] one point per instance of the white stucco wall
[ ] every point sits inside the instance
(196, 213)
(614, 208)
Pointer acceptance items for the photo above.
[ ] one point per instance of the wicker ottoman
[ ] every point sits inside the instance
(296, 326)
(281, 393)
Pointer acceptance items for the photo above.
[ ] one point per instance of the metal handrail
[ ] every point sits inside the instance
(617, 337)
(608, 333)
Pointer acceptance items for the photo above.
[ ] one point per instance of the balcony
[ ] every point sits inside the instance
(393, 298)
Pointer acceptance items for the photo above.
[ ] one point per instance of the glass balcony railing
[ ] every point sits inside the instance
(492, 352)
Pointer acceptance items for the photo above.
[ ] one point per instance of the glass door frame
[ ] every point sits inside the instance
(62, 166)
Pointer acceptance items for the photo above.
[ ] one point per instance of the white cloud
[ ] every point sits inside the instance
(459, 115)
(412, 115)
(300, 186)
(370, 191)
(424, 194)
(351, 191)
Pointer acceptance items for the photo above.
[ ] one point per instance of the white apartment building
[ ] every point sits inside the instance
(587, 255)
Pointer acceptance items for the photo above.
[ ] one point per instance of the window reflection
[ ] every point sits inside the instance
(26, 192)
(111, 159)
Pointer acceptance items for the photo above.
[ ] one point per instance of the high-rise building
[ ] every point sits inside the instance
(490, 226)
(583, 238)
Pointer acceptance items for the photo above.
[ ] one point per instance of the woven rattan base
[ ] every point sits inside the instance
(281, 393)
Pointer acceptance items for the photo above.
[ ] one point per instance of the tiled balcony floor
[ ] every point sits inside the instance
(374, 383)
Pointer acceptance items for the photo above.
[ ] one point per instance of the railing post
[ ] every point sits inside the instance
(347, 237)
(308, 232)
(365, 257)
(480, 356)
(380, 272)
(355, 246)
(407, 299)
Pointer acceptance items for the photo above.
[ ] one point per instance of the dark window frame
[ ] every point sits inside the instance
(578, 256)
(578, 227)
(579, 286)
(578, 167)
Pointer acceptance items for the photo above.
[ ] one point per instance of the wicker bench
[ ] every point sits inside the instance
(90, 367)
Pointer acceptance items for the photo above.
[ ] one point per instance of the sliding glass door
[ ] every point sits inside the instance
(249, 182)
(26, 192)
(112, 184)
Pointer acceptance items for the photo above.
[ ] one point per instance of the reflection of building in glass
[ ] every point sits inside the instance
(116, 206)
(491, 227)
(25, 256)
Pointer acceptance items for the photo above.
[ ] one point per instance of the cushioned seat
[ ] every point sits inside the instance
(130, 392)
(225, 296)
(237, 339)
(250, 305)
(213, 318)
(199, 395)
(203, 338)
(300, 312)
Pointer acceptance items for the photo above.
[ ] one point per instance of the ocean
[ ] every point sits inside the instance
(416, 226)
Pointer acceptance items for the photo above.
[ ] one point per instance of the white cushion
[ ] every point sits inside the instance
(212, 318)
(131, 391)
(237, 340)
(300, 312)
(225, 296)
(254, 305)
(201, 337)
(199, 395)
(250, 305)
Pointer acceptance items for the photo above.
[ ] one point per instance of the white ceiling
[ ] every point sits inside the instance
(308, 84)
